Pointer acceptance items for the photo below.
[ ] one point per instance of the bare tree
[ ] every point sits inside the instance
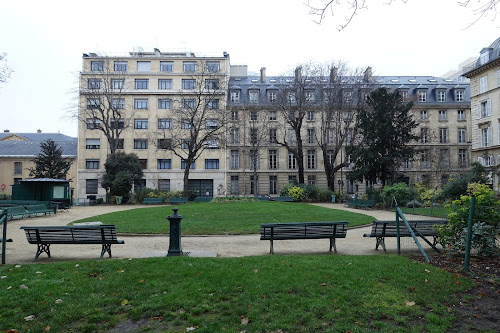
(198, 119)
(258, 131)
(350, 8)
(343, 94)
(295, 99)
(102, 104)
(5, 70)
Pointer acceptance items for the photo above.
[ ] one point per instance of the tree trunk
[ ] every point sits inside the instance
(185, 189)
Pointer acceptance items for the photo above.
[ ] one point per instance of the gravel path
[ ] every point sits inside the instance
(21, 252)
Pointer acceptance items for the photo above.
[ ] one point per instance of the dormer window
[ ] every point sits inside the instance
(403, 94)
(441, 95)
(459, 95)
(253, 96)
(484, 57)
(422, 96)
(235, 96)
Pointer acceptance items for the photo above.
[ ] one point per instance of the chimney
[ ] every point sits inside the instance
(6, 131)
(298, 74)
(263, 75)
(368, 74)
(333, 75)
(157, 52)
(39, 131)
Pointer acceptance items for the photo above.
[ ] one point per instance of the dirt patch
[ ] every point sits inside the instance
(478, 309)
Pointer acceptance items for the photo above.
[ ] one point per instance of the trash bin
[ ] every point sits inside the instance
(333, 197)
(119, 199)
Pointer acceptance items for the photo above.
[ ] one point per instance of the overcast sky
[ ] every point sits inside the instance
(45, 40)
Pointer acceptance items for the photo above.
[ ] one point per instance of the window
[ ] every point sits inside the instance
(484, 57)
(442, 115)
(118, 103)
(462, 135)
(212, 144)
(461, 115)
(253, 115)
(459, 96)
(213, 66)
(97, 66)
(348, 137)
(164, 104)
(93, 123)
(164, 144)
(188, 83)
(483, 84)
(235, 96)
(310, 115)
(462, 158)
(140, 103)
(235, 159)
(424, 115)
(164, 84)
(164, 123)
(311, 159)
(273, 159)
(166, 66)
(292, 138)
(272, 96)
(18, 168)
(292, 161)
(485, 137)
(253, 136)
(212, 104)
(185, 124)
(330, 135)
(144, 66)
(164, 185)
(144, 163)
(484, 109)
(422, 96)
(441, 96)
(140, 186)
(164, 163)
(330, 157)
(311, 135)
(211, 163)
(120, 66)
(93, 103)
(254, 159)
(212, 124)
(425, 159)
(117, 83)
(117, 123)
(140, 144)
(347, 95)
(272, 115)
(183, 165)
(291, 97)
(254, 185)
(311, 180)
(273, 184)
(292, 178)
(140, 124)
(91, 186)
(403, 94)
(212, 84)
(189, 66)
(235, 185)
(234, 136)
(309, 96)
(93, 143)
(234, 115)
(94, 83)
(443, 135)
(444, 158)
(188, 104)
(185, 143)
(424, 135)
(272, 135)
(253, 96)
(91, 164)
(119, 143)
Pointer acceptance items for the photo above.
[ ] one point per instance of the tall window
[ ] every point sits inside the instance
(234, 115)
(164, 123)
(424, 115)
(188, 83)
(18, 168)
(164, 104)
(311, 135)
(485, 137)
(310, 115)
(311, 159)
(272, 135)
(189, 66)
(272, 115)
(484, 109)
(441, 96)
(91, 186)
(211, 163)
(483, 84)
(292, 161)
(422, 96)
(459, 96)
(235, 96)
(273, 159)
(140, 103)
(462, 135)
(164, 84)
(234, 135)
(272, 96)
(253, 115)
(253, 136)
(140, 124)
(97, 66)
(253, 96)
(443, 135)
(330, 135)
(425, 159)
(442, 115)
(140, 144)
(330, 157)
(424, 135)
(120, 144)
(235, 185)
(273, 184)
(118, 83)
(144, 66)
(444, 158)
(254, 185)
(462, 158)
(235, 159)
(91, 164)
(166, 66)
(461, 115)
(254, 159)
(404, 95)
(94, 83)
(120, 66)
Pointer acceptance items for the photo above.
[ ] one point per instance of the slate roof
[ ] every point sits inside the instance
(31, 146)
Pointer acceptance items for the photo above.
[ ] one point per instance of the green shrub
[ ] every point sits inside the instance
(297, 193)
(5, 196)
(99, 201)
(399, 190)
(192, 195)
(122, 184)
(427, 195)
(233, 199)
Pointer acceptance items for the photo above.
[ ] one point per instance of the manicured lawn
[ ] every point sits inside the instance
(226, 218)
(253, 294)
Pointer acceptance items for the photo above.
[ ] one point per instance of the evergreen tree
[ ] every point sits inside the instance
(122, 170)
(385, 130)
(50, 163)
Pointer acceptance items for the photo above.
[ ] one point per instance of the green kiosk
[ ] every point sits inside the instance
(44, 189)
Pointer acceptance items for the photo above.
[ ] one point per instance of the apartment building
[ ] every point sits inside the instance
(484, 78)
(17, 151)
(258, 164)
(157, 105)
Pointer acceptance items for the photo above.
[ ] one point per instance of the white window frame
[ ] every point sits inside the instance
(483, 84)
(144, 66)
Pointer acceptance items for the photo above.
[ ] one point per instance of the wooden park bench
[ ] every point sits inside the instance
(34, 210)
(382, 229)
(178, 200)
(203, 199)
(152, 201)
(86, 234)
(15, 211)
(263, 198)
(283, 199)
(304, 230)
(360, 203)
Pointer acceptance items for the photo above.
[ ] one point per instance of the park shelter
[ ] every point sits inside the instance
(43, 189)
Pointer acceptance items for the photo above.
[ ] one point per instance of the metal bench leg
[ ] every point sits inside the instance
(272, 247)
(105, 248)
(333, 244)
(41, 249)
(380, 242)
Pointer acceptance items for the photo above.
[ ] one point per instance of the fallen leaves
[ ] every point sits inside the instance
(244, 320)
(119, 270)
(23, 286)
(29, 318)
(124, 302)
(58, 301)
(408, 303)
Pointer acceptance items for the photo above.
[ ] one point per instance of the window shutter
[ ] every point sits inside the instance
(489, 137)
(480, 160)
(488, 107)
(478, 111)
(480, 138)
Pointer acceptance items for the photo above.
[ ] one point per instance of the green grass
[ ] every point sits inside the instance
(288, 293)
(227, 218)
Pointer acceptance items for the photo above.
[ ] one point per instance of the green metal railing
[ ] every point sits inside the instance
(3, 240)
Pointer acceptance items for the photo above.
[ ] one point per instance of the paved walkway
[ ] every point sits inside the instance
(21, 252)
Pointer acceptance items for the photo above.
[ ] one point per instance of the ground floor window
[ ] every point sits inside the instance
(254, 185)
(273, 184)
(235, 185)
(91, 186)
(311, 180)
(203, 187)
(164, 185)
(140, 185)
